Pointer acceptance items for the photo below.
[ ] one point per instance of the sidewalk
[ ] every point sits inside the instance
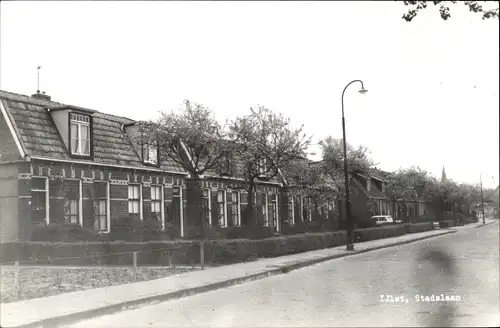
(63, 309)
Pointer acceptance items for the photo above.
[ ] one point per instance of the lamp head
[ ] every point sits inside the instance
(363, 90)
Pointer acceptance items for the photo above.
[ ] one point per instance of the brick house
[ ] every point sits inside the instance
(66, 164)
(225, 195)
(299, 205)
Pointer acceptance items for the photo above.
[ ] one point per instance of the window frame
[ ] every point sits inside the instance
(108, 205)
(139, 200)
(222, 205)
(291, 209)
(235, 205)
(47, 197)
(90, 124)
(79, 200)
(147, 150)
(157, 200)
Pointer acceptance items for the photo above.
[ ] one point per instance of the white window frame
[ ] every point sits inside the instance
(291, 205)
(47, 198)
(239, 208)
(79, 124)
(140, 199)
(266, 214)
(147, 152)
(302, 209)
(237, 205)
(222, 224)
(160, 200)
(276, 211)
(80, 199)
(181, 208)
(108, 206)
(209, 205)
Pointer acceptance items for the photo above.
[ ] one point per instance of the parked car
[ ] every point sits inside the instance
(384, 219)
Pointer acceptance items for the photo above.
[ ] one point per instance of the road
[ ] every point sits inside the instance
(346, 292)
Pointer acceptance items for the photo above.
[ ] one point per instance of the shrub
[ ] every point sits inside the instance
(423, 218)
(419, 227)
(62, 233)
(162, 252)
(368, 234)
(446, 223)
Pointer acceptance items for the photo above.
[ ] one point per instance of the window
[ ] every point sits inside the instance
(263, 204)
(150, 155)
(39, 200)
(235, 217)
(243, 201)
(330, 205)
(221, 207)
(80, 134)
(225, 168)
(156, 200)
(262, 166)
(100, 206)
(207, 207)
(71, 201)
(368, 185)
(273, 209)
(291, 216)
(134, 199)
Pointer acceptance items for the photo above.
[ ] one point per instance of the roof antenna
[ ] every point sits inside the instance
(38, 79)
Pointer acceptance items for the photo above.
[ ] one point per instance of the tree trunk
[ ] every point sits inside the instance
(249, 214)
(196, 216)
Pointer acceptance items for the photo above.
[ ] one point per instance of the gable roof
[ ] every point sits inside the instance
(41, 139)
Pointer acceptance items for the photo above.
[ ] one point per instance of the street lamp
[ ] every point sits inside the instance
(349, 223)
(482, 199)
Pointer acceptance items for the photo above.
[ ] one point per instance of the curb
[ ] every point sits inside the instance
(482, 225)
(65, 320)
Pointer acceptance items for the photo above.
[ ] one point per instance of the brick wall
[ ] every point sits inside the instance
(9, 224)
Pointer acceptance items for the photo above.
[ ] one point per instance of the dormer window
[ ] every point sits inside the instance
(262, 166)
(80, 134)
(150, 155)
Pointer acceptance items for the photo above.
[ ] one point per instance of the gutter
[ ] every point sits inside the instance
(107, 165)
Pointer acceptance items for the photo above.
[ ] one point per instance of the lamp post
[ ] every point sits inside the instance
(349, 223)
(482, 198)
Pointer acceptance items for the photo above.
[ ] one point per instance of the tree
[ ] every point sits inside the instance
(444, 10)
(358, 159)
(266, 142)
(313, 179)
(193, 139)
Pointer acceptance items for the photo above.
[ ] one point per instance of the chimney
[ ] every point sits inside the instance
(41, 96)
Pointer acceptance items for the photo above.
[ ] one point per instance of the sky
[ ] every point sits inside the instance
(433, 85)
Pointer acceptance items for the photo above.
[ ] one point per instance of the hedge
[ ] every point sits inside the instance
(419, 227)
(165, 252)
(446, 223)
(379, 232)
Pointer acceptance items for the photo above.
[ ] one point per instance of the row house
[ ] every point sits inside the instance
(66, 164)
(225, 195)
(299, 205)
(70, 165)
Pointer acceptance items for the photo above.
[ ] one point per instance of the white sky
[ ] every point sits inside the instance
(433, 85)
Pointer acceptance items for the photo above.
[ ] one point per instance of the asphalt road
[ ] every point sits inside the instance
(347, 292)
